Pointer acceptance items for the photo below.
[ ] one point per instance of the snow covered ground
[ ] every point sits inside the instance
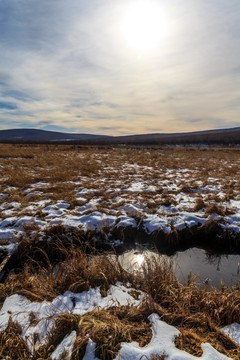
(154, 191)
(21, 310)
(233, 330)
(128, 195)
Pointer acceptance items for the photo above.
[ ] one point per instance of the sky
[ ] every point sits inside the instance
(120, 67)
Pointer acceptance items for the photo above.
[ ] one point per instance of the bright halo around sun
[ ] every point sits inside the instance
(144, 26)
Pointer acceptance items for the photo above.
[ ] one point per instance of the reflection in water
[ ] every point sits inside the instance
(210, 269)
(134, 262)
(140, 259)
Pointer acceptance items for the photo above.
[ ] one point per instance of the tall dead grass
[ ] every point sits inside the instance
(43, 270)
(196, 312)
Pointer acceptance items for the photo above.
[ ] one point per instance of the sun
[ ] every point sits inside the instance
(144, 26)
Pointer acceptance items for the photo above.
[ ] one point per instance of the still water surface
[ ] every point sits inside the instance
(210, 269)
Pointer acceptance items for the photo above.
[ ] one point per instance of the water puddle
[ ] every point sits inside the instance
(211, 270)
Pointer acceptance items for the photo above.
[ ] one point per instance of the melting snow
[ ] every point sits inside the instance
(136, 186)
(155, 222)
(84, 192)
(162, 342)
(233, 331)
(65, 348)
(123, 202)
(21, 309)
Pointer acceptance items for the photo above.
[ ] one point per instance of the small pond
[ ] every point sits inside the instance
(211, 270)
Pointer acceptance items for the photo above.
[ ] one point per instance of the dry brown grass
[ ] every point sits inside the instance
(215, 209)
(61, 166)
(49, 268)
(196, 312)
(18, 177)
(76, 270)
(191, 342)
(11, 344)
(199, 205)
(13, 347)
(61, 163)
(109, 328)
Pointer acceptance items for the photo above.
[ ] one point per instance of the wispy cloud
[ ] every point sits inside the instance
(67, 66)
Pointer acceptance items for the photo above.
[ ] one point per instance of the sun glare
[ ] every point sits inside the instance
(144, 26)
(139, 259)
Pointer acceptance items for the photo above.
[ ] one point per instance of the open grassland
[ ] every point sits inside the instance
(172, 195)
(58, 204)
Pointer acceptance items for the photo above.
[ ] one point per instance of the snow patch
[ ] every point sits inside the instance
(162, 342)
(20, 309)
(233, 331)
(65, 347)
(155, 223)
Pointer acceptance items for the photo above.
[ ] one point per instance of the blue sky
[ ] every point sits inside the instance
(70, 66)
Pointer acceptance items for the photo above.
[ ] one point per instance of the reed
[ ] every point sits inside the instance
(198, 313)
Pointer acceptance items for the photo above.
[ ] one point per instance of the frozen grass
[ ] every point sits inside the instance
(58, 203)
(198, 314)
(171, 195)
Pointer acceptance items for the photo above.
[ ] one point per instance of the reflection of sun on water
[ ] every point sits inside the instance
(135, 261)
(139, 259)
(144, 25)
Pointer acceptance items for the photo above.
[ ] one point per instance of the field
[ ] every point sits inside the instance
(65, 209)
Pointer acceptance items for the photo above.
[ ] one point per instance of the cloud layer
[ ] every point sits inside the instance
(67, 65)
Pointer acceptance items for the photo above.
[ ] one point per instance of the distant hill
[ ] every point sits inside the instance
(36, 135)
(209, 137)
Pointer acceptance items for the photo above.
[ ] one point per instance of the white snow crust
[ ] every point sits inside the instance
(21, 310)
(233, 331)
(129, 204)
(162, 342)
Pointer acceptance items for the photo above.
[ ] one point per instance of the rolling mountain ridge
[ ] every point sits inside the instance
(217, 136)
